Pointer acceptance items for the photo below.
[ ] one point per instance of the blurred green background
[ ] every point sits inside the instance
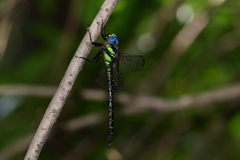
(183, 105)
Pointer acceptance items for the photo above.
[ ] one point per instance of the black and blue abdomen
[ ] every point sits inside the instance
(111, 100)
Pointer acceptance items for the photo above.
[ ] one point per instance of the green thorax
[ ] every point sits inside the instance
(110, 49)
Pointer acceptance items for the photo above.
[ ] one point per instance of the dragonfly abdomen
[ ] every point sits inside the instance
(111, 101)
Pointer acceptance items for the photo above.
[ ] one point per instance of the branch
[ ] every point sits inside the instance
(142, 104)
(8, 11)
(76, 64)
(28, 90)
(207, 98)
(214, 96)
(177, 48)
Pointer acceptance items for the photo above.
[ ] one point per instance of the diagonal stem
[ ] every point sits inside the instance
(75, 66)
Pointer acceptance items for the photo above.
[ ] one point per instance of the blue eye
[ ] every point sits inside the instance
(113, 40)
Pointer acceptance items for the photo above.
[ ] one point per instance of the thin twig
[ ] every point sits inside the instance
(28, 90)
(8, 11)
(223, 94)
(67, 82)
(142, 104)
(177, 48)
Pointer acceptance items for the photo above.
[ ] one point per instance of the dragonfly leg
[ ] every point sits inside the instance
(94, 43)
(103, 33)
(95, 59)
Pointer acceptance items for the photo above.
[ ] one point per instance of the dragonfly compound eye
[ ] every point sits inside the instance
(113, 40)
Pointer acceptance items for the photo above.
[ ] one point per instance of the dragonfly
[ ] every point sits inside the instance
(110, 75)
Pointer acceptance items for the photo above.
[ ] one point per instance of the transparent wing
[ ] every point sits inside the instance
(102, 77)
(117, 77)
(133, 63)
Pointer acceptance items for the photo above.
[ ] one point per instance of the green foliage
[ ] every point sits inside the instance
(234, 128)
(43, 39)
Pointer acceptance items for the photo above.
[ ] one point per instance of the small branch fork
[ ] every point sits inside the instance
(75, 66)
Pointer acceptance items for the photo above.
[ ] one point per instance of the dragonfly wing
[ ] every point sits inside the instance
(133, 63)
(118, 79)
(102, 77)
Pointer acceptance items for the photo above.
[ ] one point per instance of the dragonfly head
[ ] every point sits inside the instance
(112, 38)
